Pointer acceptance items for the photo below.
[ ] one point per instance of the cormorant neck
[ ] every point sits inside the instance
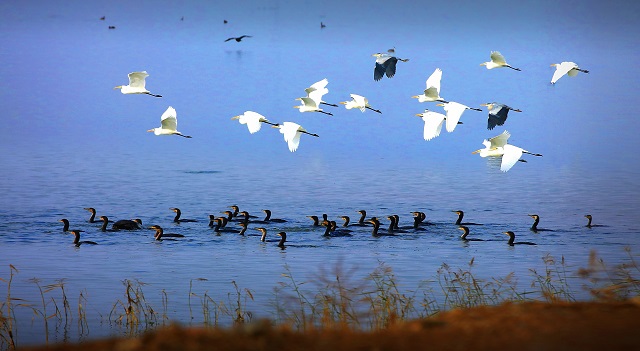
(282, 240)
(534, 226)
(327, 232)
(363, 214)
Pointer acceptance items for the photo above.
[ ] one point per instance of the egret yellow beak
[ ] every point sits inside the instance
(477, 151)
(235, 117)
(118, 87)
(415, 97)
(151, 130)
(439, 104)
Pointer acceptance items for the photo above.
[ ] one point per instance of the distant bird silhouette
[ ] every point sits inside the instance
(76, 240)
(466, 233)
(105, 222)
(589, 225)
(65, 223)
(283, 239)
(512, 238)
(534, 227)
(112, 27)
(238, 39)
(460, 216)
(177, 218)
(322, 25)
(103, 18)
(128, 224)
(225, 21)
(92, 219)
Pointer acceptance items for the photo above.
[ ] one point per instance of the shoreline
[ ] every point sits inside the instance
(508, 326)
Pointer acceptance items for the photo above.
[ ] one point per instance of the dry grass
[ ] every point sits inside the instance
(331, 301)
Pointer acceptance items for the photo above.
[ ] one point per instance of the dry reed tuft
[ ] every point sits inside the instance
(330, 301)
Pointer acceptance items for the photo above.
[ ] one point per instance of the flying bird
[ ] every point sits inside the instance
(498, 146)
(432, 91)
(358, 101)
(497, 114)
(136, 84)
(569, 68)
(386, 64)
(494, 146)
(238, 39)
(497, 61)
(292, 132)
(433, 122)
(454, 112)
(317, 90)
(253, 120)
(168, 124)
(311, 104)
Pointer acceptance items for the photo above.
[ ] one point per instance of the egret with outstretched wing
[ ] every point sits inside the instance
(292, 132)
(454, 112)
(253, 120)
(168, 124)
(497, 61)
(432, 90)
(136, 84)
(358, 101)
(569, 68)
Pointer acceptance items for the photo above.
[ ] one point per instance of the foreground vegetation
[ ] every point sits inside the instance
(334, 301)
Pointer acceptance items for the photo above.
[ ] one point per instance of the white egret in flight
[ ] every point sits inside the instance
(498, 146)
(497, 114)
(317, 90)
(292, 132)
(385, 64)
(433, 122)
(569, 68)
(168, 124)
(494, 146)
(136, 84)
(432, 91)
(358, 101)
(311, 104)
(454, 112)
(497, 61)
(253, 120)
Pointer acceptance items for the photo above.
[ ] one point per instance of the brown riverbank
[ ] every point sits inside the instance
(510, 326)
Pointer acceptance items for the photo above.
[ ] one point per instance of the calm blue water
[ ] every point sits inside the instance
(70, 141)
